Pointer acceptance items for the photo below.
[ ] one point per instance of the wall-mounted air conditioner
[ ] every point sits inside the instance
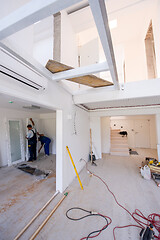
(15, 70)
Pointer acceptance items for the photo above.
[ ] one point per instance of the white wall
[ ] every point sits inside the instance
(95, 125)
(105, 134)
(135, 60)
(47, 126)
(43, 50)
(78, 143)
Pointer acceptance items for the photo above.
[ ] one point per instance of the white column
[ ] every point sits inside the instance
(158, 134)
(95, 125)
(105, 134)
(59, 150)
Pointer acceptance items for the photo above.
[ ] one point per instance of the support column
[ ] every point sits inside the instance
(158, 135)
(95, 125)
(59, 150)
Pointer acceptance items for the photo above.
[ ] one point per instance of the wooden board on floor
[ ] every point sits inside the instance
(89, 80)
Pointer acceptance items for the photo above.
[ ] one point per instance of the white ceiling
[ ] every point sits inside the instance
(146, 101)
(19, 104)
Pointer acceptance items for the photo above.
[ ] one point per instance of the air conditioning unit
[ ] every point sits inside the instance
(18, 72)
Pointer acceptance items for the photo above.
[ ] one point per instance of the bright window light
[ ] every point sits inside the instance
(113, 24)
(37, 22)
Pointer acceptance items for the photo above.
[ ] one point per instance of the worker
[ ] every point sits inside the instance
(45, 141)
(32, 141)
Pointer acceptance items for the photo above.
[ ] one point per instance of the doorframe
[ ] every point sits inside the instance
(10, 163)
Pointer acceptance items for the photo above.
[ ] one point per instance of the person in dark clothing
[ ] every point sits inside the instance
(32, 141)
(45, 141)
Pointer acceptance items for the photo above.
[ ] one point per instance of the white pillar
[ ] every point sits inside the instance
(105, 134)
(59, 151)
(95, 125)
(158, 134)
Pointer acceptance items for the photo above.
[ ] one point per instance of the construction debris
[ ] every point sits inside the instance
(154, 167)
(156, 178)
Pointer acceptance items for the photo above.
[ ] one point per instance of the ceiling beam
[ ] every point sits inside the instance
(81, 71)
(31, 13)
(101, 20)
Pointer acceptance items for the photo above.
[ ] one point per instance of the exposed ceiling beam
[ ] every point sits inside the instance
(31, 13)
(81, 71)
(100, 17)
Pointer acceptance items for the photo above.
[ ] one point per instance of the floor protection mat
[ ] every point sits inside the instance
(131, 152)
(32, 170)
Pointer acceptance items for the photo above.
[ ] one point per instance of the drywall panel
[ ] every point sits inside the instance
(105, 134)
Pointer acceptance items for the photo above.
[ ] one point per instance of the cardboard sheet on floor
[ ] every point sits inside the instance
(88, 80)
(32, 170)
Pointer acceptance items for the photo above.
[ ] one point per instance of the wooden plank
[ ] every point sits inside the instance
(54, 66)
(88, 80)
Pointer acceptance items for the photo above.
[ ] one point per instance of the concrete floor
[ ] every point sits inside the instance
(123, 177)
(22, 195)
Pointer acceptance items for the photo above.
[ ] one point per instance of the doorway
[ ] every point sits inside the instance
(16, 142)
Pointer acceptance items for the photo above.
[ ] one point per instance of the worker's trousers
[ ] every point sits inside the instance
(32, 151)
(46, 147)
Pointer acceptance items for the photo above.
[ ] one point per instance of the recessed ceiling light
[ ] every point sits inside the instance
(10, 101)
(113, 23)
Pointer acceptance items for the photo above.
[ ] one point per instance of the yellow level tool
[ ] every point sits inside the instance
(74, 167)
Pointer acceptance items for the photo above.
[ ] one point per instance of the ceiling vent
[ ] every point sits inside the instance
(31, 107)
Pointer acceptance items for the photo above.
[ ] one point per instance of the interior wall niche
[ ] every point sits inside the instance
(150, 53)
